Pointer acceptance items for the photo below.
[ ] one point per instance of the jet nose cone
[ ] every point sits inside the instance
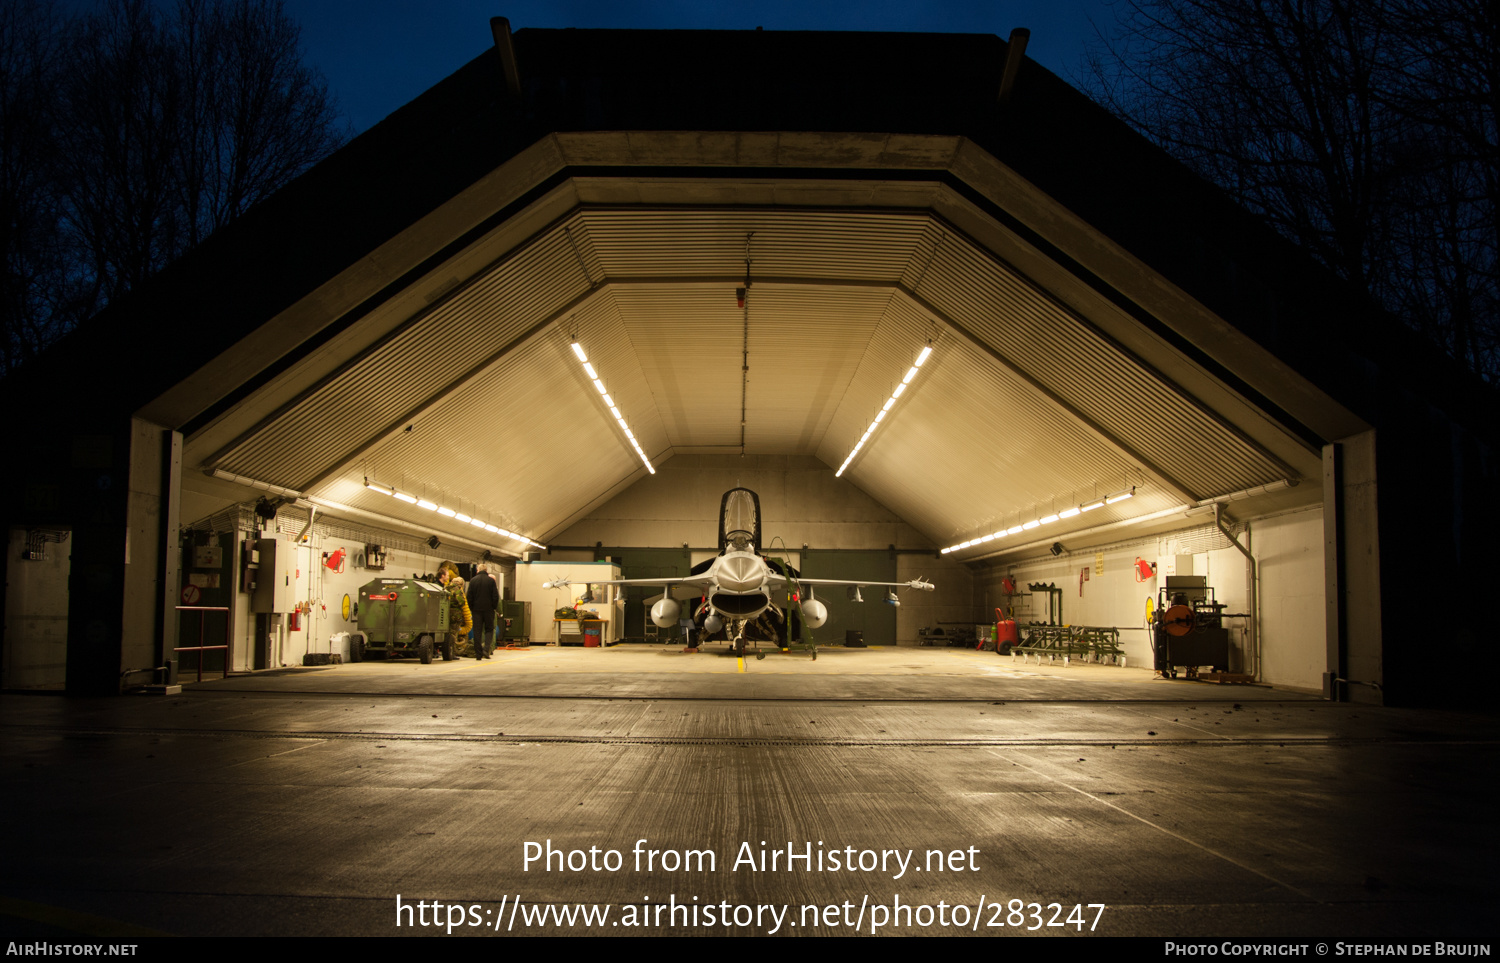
(740, 574)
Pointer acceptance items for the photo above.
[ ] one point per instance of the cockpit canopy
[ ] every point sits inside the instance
(739, 521)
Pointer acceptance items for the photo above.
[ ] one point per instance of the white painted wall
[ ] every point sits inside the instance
(951, 601)
(312, 581)
(800, 499)
(1110, 596)
(531, 576)
(1289, 551)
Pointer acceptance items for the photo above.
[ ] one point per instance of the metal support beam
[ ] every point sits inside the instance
(1354, 668)
(500, 30)
(1015, 52)
(170, 541)
(1254, 582)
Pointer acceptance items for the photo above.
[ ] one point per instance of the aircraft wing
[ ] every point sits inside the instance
(697, 581)
(920, 585)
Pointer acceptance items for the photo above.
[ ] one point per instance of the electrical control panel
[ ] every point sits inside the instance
(273, 580)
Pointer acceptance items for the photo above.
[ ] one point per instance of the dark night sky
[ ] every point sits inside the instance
(379, 54)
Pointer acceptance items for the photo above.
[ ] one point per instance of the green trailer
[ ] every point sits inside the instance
(400, 618)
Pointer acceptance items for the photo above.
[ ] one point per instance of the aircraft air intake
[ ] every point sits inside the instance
(740, 606)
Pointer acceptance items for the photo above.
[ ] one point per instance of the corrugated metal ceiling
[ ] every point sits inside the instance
(1022, 405)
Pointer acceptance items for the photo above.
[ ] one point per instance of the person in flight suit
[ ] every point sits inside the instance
(460, 619)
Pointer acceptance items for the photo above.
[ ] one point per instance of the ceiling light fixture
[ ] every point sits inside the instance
(447, 512)
(885, 409)
(609, 402)
(1117, 497)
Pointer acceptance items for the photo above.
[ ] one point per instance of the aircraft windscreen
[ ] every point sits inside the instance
(739, 523)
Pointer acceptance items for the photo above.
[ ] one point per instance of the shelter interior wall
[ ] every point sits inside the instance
(1111, 597)
(531, 577)
(1288, 548)
(569, 555)
(801, 501)
(203, 497)
(951, 600)
(312, 581)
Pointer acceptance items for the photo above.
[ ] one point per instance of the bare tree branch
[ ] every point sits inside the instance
(130, 135)
(1364, 130)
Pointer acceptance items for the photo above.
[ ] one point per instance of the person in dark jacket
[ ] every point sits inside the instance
(484, 600)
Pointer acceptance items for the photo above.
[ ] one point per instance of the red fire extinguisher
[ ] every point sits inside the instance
(294, 621)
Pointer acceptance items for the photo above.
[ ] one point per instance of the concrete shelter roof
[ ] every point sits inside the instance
(403, 312)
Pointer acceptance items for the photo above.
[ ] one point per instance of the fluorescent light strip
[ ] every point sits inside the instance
(1117, 497)
(609, 403)
(885, 409)
(447, 512)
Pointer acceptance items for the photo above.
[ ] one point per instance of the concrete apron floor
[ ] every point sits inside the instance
(306, 802)
(666, 671)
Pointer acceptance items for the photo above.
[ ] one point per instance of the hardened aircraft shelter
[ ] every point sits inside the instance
(946, 317)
